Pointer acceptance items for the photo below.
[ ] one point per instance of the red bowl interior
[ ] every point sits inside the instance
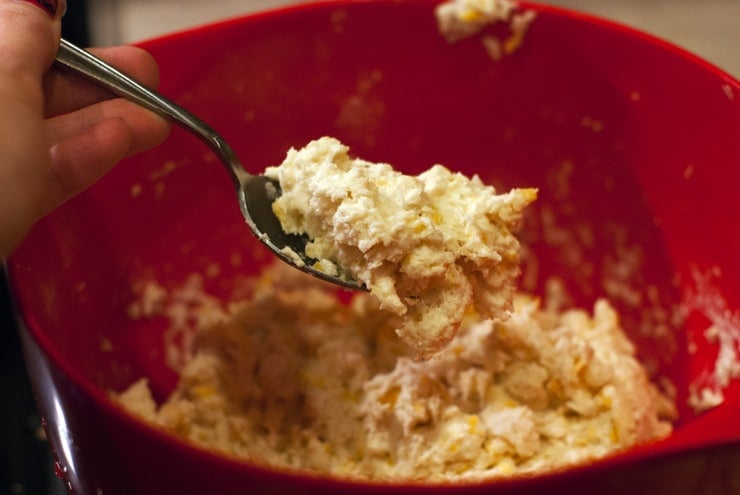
(631, 142)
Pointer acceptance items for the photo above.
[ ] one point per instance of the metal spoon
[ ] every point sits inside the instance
(255, 192)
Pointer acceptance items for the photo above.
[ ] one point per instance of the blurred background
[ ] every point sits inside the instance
(708, 28)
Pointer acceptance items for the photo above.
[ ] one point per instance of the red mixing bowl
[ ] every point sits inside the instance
(633, 144)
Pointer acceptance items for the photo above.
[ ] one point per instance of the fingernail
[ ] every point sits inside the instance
(50, 6)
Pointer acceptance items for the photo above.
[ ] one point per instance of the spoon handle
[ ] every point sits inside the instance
(88, 65)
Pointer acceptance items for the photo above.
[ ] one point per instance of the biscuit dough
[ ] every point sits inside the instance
(292, 378)
(428, 247)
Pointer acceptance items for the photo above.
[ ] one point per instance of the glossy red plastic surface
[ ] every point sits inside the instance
(632, 142)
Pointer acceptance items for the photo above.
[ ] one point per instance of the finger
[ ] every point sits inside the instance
(146, 128)
(29, 38)
(89, 147)
(80, 159)
(66, 92)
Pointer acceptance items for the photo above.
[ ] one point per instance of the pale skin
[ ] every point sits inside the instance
(59, 134)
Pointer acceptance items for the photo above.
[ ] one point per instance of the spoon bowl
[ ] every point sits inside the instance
(256, 193)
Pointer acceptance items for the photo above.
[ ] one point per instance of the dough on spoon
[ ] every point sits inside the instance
(428, 247)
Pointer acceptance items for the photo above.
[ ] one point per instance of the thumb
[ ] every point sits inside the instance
(29, 39)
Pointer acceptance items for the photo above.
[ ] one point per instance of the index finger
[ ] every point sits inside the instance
(67, 92)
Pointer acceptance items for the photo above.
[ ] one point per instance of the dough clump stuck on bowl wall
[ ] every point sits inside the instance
(291, 377)
(461, 19)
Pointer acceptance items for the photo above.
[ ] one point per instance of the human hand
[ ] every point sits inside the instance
(58, 133)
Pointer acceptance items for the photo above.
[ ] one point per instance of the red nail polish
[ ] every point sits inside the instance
(50, 6)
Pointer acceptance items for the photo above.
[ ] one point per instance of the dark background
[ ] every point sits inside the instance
(26, 465)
